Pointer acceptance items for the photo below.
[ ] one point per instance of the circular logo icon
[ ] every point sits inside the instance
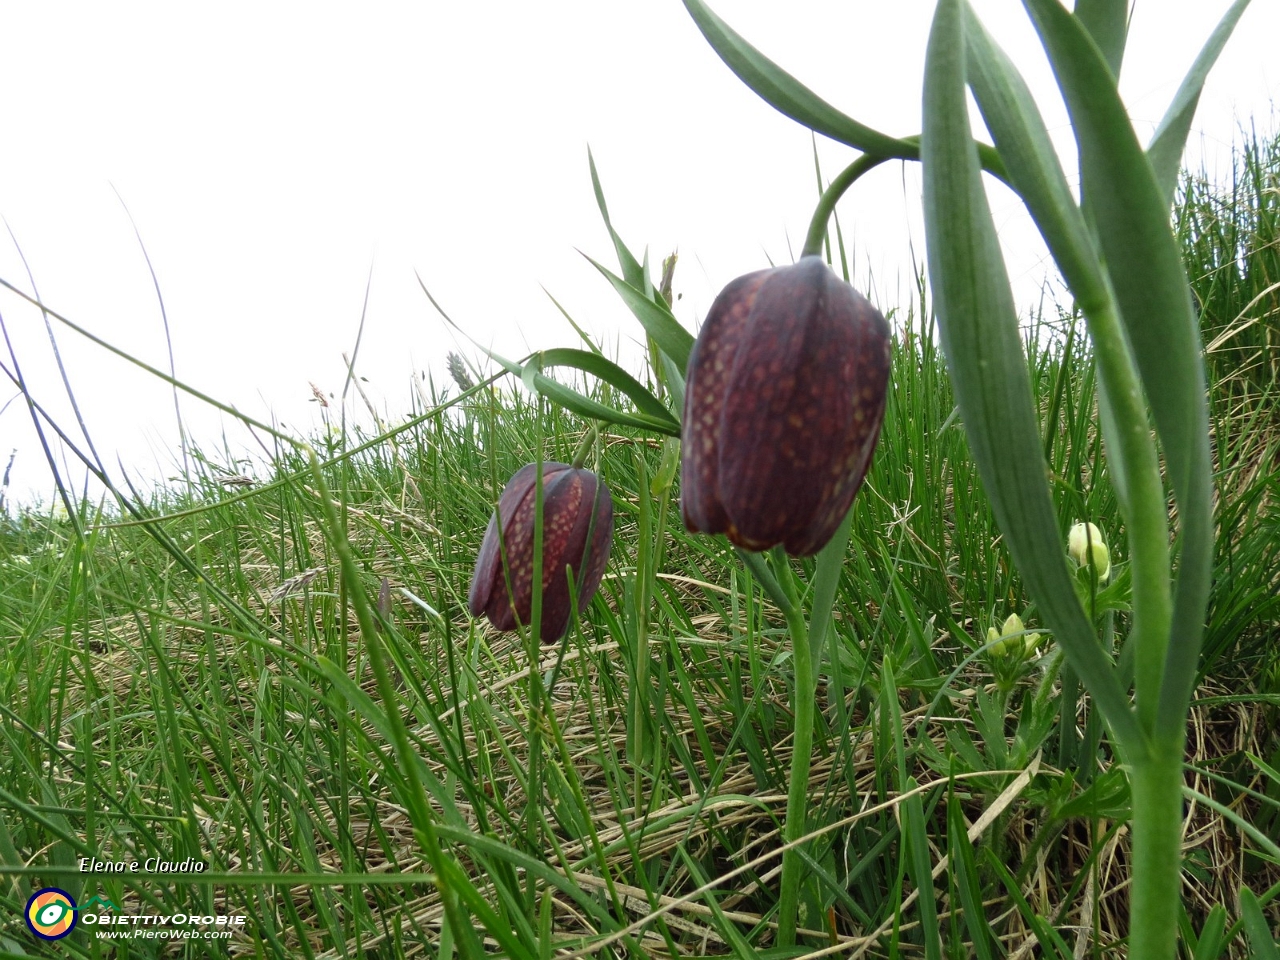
(51, 913)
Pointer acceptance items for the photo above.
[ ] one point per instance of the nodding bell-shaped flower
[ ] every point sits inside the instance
(784, 398)
(1084, 539)
(577, 532)
(1012, 640)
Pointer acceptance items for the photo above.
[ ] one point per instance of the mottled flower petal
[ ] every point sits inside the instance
(576, 508)
(784, 400)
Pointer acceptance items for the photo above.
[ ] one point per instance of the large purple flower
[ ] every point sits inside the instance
(577, 532)
(783, 403)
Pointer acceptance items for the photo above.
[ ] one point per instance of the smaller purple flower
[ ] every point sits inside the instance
(577, 532)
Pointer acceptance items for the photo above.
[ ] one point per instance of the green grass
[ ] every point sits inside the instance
(169, 687)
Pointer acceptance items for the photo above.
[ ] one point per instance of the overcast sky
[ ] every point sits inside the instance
(272, 154)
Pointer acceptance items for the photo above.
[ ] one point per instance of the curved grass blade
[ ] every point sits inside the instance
(610, 373)
(632, 272)
(658, 321)
(1150, 284)
(537, 382)
(984, 356)
(582, 334)
(1170, 139)
(1211, 941)
(584, 406)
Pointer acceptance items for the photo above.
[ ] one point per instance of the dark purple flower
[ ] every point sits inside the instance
(783, 403)
(577, 531)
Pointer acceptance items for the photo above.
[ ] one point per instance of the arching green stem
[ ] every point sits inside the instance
(584, 448)
(831, 196)
(987, 156)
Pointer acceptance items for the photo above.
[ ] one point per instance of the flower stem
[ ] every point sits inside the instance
(1156, 785)
(831, 196)
(910, 150)
(798, 790)
(584, 448)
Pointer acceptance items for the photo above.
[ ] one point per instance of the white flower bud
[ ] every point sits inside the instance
(1084, 540)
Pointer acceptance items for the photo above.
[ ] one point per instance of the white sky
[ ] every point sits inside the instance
(270, 153)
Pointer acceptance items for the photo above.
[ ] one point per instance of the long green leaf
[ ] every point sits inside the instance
(1210, 944)
(785, 93)
(979, 330)
(632, 272)
(1107, 21)
(1035, 172)
(826, 579)
(1145, 267)
(658, 321)
(537, 382)
(1050, 942)
(584, 406)
(1170, 139)
(1023, 141)
(791, 98)
(610, 373)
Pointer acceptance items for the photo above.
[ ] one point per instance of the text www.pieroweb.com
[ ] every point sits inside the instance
(149, 933)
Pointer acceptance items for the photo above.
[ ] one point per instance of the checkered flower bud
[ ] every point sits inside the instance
(784, 398)
(577, 532)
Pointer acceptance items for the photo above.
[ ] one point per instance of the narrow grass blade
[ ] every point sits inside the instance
(158, 374)
(1150, 285)
(582, 334)
(916, 837)
(632, 272)
(1050, 942)
(1255, 924)
(610, 373)
(1170, 139)
(658, 321)
(1209, 945)
(537, 382)
(964, 871)
(984, 355)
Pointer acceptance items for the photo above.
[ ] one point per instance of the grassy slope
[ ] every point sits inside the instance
(174, 690)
